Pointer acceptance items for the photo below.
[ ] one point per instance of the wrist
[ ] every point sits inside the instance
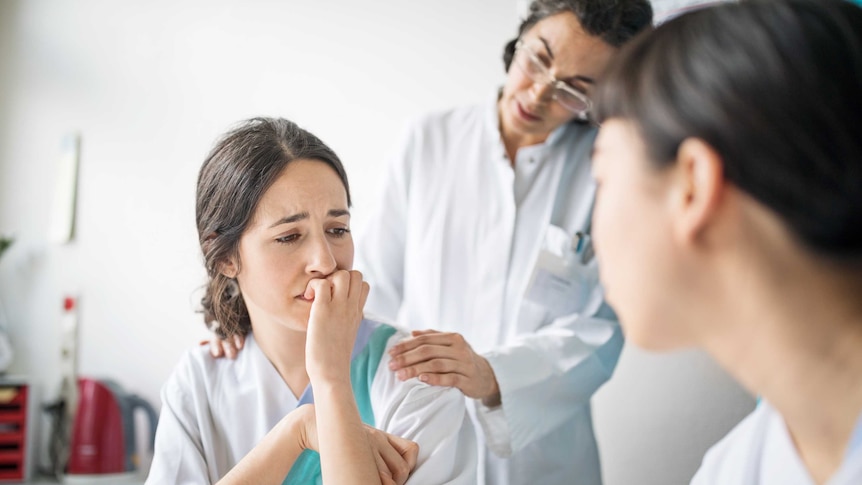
(493, 400)
(332, 389)
(329, 379)
(491, 397)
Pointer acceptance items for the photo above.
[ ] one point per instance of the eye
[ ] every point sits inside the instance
(287, 239)
(339, 231)
(579, 88)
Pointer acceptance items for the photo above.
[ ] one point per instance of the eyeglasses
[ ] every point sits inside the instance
(568, 97)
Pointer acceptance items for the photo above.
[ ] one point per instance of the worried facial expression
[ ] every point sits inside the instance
(300, 231)
(570, 55)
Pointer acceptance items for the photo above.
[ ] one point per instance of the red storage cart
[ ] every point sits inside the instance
(13, 432)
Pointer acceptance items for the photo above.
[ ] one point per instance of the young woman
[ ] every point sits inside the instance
(274, 226)
(729, 217)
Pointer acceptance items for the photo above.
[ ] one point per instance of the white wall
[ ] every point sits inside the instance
(150, 84)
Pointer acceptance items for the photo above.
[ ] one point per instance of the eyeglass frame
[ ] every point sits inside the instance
(550, 80)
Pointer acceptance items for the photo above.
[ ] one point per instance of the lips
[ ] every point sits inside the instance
(527, 115)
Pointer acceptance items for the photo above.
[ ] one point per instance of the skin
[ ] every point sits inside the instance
(738, 279)
(305, 306)
(527, 115)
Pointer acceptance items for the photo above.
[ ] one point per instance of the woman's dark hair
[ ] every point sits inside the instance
(237, 172)
(775, 87)
(615, 21)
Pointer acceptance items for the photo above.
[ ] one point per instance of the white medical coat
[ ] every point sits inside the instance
(214, 411)
(760, 451)
(452, 247)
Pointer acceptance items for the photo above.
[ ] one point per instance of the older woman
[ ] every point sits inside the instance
(481, 234)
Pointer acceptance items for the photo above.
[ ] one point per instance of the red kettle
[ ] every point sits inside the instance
(103, 438)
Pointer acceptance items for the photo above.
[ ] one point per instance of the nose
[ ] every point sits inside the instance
(542, 91)
(320, 259)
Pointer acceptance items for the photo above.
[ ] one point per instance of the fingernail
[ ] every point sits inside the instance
(392, 365)
(423, 378)
(401, 374)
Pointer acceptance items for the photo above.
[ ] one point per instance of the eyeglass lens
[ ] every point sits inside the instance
(532, 66)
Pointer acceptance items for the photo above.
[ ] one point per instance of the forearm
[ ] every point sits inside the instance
(345, 453)
(272, 458)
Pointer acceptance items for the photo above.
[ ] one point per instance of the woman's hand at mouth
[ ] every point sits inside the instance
(337, 302)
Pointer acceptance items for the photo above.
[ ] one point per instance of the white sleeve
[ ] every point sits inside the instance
(382, 242)
(179, 456)
(556, 370)
(434, 417)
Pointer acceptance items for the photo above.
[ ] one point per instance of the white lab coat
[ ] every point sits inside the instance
(452, 246)
(214, 411)
(760, 451)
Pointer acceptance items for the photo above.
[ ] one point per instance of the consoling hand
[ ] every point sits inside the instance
(228, 347)
(445, 359)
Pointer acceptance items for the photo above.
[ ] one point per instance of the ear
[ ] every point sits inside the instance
(699, 187)
(228, 268)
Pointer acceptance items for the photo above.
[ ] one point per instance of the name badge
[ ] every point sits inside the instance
(565, 274)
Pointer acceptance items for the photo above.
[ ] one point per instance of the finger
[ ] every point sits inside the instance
(446, 380)
(238, 341)
(395, 463)
(319, 289)
(215, 348)
(429, 331)
(423, 353)
(229, 350)
(355, 289)
(340, 284)
(382, 467)
(434, 366)
(436, 338)
(406, 448)
(366, 289)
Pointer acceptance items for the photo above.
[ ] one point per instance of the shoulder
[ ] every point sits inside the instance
(199, 374)
(380, 332)
(389, 392)
(431, 126)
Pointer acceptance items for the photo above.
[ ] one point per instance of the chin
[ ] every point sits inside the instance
(296, 319)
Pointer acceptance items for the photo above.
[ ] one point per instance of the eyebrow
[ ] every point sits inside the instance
(583, 79)
(547, 47)
(305, 215)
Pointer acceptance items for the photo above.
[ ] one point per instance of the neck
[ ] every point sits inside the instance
(514, 140)
(285, 349)
(791, 332)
